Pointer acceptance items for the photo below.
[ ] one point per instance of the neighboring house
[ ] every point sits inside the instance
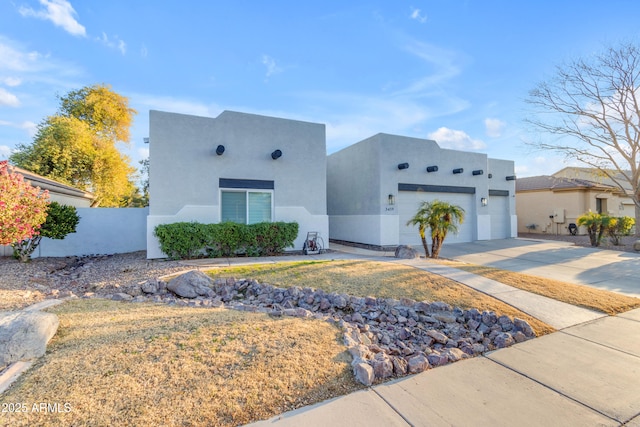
(375, 186)
(236, 167)
(58, 192)
(548, 204)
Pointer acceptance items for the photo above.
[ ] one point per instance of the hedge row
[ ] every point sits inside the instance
(184, 240)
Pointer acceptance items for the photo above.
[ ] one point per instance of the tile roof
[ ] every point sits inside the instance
(546, 182)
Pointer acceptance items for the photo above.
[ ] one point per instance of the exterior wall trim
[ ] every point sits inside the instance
(436, 188)
(503, 193)
(257, 184)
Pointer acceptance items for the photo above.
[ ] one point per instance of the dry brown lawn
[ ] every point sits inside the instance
(146, 364)
(607, 302)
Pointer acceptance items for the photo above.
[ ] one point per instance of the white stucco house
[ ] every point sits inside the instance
(237, 167)
(375, 186)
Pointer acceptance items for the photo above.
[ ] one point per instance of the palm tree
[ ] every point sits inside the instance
(421, 219)
(442, 218)
(596, 225)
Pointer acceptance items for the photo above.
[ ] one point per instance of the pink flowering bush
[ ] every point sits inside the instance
(23, 208)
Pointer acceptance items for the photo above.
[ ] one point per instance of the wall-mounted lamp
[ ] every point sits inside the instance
(477, 172)
(484, 201)
(220, 150)
(511, 178)
(490, 175)
(391, 200)
(432, 169)
(620, 207)
(145, 140)
(276, 154)
(403, 166)
(459, 170)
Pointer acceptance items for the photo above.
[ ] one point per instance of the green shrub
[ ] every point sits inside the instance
(618, 227)
(191, 239)
(61, 220)
(182, 240)
(273, 237)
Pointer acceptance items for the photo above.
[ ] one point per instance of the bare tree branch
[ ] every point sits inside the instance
(592, 106)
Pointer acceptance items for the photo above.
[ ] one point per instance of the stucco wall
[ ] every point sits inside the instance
(536, 207)
(101, 231)
(361, 177)
(185, 170)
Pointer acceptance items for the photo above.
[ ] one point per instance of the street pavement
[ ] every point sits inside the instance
(586, 374)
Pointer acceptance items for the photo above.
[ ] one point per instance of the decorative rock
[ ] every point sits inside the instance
(382, 366)
(636, 245)
(363, 373)
(150, 287)
(384, 336)
(24, 334)
(503, 340)
(417, 364)
(191, 285)
(438, 336)
(121, 296)
(524, 327)
(406, 252)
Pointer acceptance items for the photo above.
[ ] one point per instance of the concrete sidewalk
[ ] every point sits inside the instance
(586, 374)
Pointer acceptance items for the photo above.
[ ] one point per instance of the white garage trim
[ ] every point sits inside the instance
(410, 196)
(500, 214)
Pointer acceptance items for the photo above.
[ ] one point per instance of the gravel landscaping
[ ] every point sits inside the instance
(24, 284)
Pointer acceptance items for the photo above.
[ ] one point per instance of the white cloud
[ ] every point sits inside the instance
(417, 15)
(456, 139)
(144, 51)
(146, 102)
(30, 127)
(12, 81)
(116, 43)
(8, 99)
(445, 65)
(494, 127)
(60, 12)
(143, 153)
(270, 64)
(16, 60)
(5, 152)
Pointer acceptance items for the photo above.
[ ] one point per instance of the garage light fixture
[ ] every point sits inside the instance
(459, 170)
(220, 150)
(484, 201)
(403, 166)
(511, 178)
(432, 169)
(490, 176)
(477, 172)
(391, 200)
(276, 154)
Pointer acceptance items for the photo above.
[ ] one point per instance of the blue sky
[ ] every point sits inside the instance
(454, 71)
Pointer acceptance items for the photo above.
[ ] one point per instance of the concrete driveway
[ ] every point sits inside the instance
(603, 269)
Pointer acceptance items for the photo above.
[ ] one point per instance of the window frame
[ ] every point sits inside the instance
(246, 192)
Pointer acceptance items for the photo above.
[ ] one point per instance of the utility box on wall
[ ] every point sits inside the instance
(558, 216)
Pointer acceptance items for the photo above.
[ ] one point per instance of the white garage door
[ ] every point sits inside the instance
(408, 203)
(500, 217)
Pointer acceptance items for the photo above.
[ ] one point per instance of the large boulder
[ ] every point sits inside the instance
(191, 285)
(406, 252)
(24, 334)
(636, 245)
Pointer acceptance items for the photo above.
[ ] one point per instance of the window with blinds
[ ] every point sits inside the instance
(246, 207)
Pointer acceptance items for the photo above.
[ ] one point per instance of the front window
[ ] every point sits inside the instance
(246, 207)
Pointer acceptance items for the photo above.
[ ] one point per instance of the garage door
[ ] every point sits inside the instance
(408, 203)
(500, 217)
